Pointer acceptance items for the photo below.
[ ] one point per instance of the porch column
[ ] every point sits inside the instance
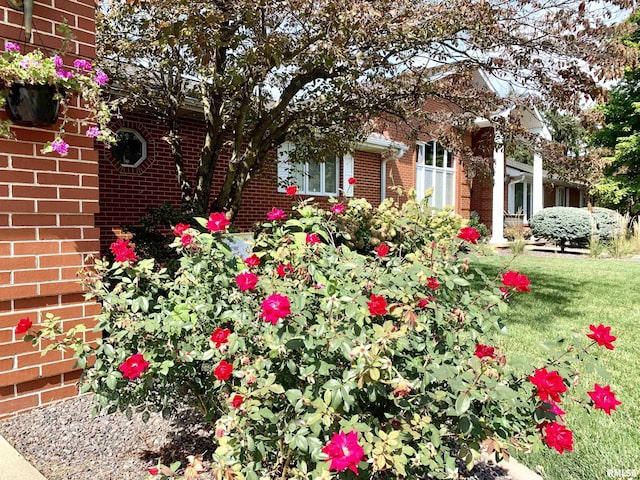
(497, 216)
(537, 202)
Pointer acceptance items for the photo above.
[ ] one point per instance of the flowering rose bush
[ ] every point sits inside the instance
(380, 366)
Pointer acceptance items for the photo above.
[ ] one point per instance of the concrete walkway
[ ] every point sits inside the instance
(13, 466)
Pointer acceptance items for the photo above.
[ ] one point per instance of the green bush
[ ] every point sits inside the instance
(410, 226)
(310, 357)
(562, 225)
(608, 223)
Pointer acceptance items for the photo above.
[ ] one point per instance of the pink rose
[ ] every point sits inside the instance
(218, 222)
(133, 366)
(275, 307)
(276, 214)
(247, 281)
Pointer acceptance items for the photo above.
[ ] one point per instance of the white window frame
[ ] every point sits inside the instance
(143, 141)
(511, 198)
(421, 163)
(284, 174)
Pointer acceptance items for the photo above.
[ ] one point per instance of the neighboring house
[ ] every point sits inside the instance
(519, 180)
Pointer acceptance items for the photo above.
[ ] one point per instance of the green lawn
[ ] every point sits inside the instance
(566, 296)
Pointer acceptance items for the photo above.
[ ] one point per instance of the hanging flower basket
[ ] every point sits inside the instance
(33, 104)
(35, 90)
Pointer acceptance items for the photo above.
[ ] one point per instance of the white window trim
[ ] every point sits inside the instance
(143, 154)
(421, 148)
(284, 172)
(511, 198)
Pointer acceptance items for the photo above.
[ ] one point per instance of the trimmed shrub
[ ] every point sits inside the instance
(608, 223)
(562, 225)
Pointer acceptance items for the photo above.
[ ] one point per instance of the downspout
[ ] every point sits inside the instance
(394, 155)
(383, 179)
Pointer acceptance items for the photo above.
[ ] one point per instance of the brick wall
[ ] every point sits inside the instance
(47, 208)
(481, 199)
(126, 193)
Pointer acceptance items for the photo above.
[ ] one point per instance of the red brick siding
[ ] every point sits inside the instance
(47, 204)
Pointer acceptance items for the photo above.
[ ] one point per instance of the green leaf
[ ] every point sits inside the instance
(463, 402)
(293, 395)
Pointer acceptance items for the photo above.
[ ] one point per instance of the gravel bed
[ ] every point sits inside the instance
(65, 442)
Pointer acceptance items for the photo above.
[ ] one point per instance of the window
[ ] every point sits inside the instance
(563, 197)
(435, 168)
(130, 148)
(520, 198)
(311, 177)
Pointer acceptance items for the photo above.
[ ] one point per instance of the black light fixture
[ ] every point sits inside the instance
(25, 6)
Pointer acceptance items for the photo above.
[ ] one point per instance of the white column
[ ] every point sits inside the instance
(537, 202)
(497, 217)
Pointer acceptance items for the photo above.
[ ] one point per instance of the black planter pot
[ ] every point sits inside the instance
(33, 104)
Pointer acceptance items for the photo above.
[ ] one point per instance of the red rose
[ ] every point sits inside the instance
(133, 366)
(432, 283)
(252, 261)
(122, 251)
(352, 181)
(223, 370)
(382, 250)
(424, 302)
(247, 281)
(549, 384)
(218, 222)
(220, 336)
(237, 401)
(344, 452)
(338, 209)
(312, 238)
(284, 270)
(557, 436)
(516, 280)
(469, 234)
(180, 228)
(291, 190)
(484, 351)
(23, 326)
(604, 399)
(276, 214)
(377, 305)
(186, 240)
(602, 336)
(275, 307)
(153, 470)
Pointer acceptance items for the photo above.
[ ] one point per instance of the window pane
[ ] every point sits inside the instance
(439, 191)
(330, 176)
(439, 155)
(297, 175)
(428, 183)
(529, 204)
(450, 190)
(450, 158)
(314, 177)
(519, 197)
(419, 153)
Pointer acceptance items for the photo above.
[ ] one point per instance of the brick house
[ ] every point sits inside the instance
(55, 211)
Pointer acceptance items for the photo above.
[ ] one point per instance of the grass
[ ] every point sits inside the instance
(567, 295)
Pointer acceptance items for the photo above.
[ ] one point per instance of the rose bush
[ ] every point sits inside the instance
(315, 361)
